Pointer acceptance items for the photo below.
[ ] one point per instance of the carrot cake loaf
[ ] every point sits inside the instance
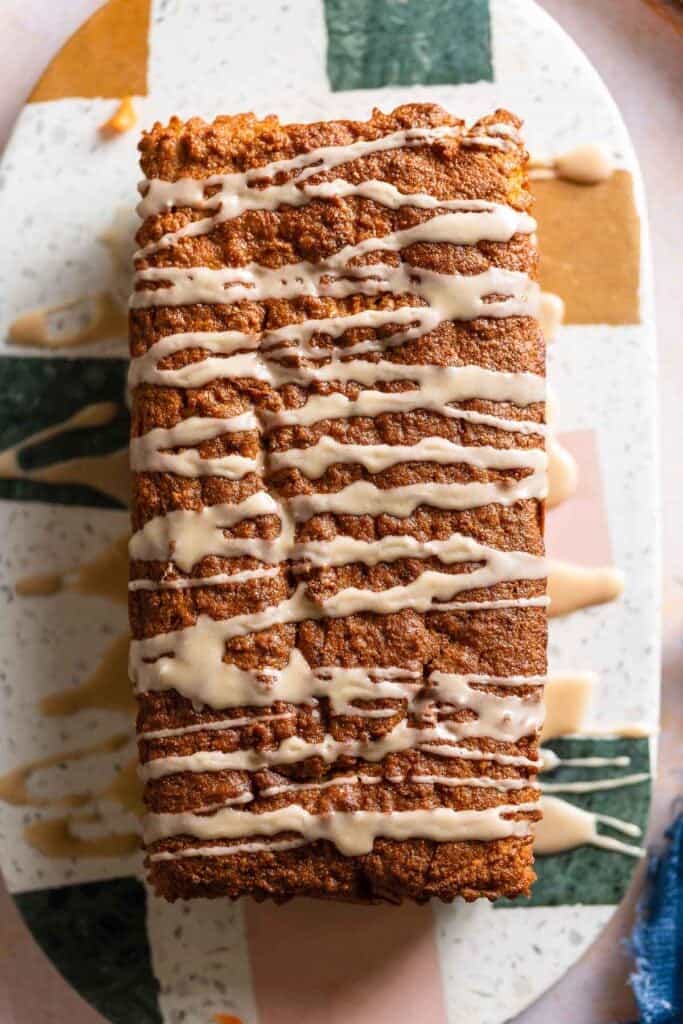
(337, 593)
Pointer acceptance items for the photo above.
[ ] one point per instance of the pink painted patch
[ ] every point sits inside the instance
(577, 530)
(324, 963)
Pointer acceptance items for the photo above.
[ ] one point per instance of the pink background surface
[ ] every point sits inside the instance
(344, 948)
(577, 530)
(639, 56)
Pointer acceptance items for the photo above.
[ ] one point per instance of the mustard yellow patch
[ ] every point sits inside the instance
(589, 240)
(106, 57)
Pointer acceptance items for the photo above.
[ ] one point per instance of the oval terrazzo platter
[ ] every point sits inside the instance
(68, 794)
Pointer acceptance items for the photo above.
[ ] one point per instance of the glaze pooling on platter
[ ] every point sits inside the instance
(191, 660)
(564, 826)
(88, 319)
(588, 164)
(108, 473)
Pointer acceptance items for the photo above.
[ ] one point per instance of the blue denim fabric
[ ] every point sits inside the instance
(657, 940)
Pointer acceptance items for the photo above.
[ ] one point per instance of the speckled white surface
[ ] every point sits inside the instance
(74, 185)
(204, 968)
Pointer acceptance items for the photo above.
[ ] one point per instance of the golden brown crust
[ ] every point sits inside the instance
(497, 642)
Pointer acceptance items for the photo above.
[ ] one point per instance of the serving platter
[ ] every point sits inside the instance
(67, 789)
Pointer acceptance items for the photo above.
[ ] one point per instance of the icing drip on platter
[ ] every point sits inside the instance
(80, 322)
(565, 826)
(571, 587)
(566, 697)
(563, 473)
(550, 315)
(588, 164)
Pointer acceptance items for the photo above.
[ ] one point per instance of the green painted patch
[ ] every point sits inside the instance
(587, 874)
(41, 393)
(407, 42)
(95, 935)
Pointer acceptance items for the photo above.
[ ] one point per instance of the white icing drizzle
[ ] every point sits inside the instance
(160, 195)
(550, 761)
(225, 723)
(327, 451)
(352, 832)
(186, 536)
(363, 497)
(179, 653)
(471, 216)
(501, 718)
(474, 782)
(226, 685)
(587, 165)
(594, 785)
(501, 566)
(147, 452)
(566, 698)
(225, 851)
(454, 296)
(437, 739)
(494, 136)
(242, 576)
(436, 386)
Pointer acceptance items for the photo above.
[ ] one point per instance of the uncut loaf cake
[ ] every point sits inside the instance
(337, 592)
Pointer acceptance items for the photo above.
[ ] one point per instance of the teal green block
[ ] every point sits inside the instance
(42, 392)
(95, 935)
(588, 874)
(371, 43)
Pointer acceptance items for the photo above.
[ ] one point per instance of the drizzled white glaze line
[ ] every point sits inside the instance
(494, 214)
(225, 851)
(226, 723)
(435, 387)
(300, 334)
(594, 785)
(501, 718)
(161, 195)
(327, 451)
(224, 685)
(147, 452)
(294, 748)
(428, 590)
(266, 572)
(472, 782)
(186, 536)
(495, 223)
(160, 545)
(363, 497)
(550, 761)
(203, 643)
(352, 832)
(454, 296)
(340, 780)
(165, 535)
